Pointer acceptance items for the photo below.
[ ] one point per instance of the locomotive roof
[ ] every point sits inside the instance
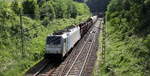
(67, 29)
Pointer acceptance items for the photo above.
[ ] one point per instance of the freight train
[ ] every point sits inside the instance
(59, 43)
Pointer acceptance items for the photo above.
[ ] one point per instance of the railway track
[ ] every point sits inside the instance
(67, 62)
(78, 65)
(75, 63)
(43, 68)
(88, 68)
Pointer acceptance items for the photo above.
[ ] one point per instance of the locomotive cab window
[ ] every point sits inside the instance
(53, 40)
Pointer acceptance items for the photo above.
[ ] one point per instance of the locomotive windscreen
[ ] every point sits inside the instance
(53, 40)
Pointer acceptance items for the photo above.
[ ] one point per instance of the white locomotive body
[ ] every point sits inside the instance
(61, 44)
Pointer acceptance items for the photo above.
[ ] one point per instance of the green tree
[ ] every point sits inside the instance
(15, 7)
(47, 10)
(72, 10)
(128, 37)
(31, 8)
(60, 6)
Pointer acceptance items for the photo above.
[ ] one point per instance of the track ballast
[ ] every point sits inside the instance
(79, 62)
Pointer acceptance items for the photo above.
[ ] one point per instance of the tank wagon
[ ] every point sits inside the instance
(59, 43)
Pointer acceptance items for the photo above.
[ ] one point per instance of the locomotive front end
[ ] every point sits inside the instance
(53, 45)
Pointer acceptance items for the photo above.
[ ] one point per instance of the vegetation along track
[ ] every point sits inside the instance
(82, 55)
(81, 61)
(43, 68)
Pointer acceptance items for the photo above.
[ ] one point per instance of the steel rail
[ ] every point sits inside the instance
(77, 56)
(38, 72)
(88, 54)
(65, 66)
(69, 61)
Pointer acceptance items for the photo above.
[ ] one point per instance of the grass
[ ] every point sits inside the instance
(99, 61)
(14, 61)
(127, 57)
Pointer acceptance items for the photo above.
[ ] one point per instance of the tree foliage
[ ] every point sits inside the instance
(127, 48)
(47, 10)
(135, 14)
(97, 5)
(29, 22)
(30, 8)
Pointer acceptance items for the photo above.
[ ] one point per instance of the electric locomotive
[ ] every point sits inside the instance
(59, 43)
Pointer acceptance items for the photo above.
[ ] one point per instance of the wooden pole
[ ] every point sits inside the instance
(22, 41)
